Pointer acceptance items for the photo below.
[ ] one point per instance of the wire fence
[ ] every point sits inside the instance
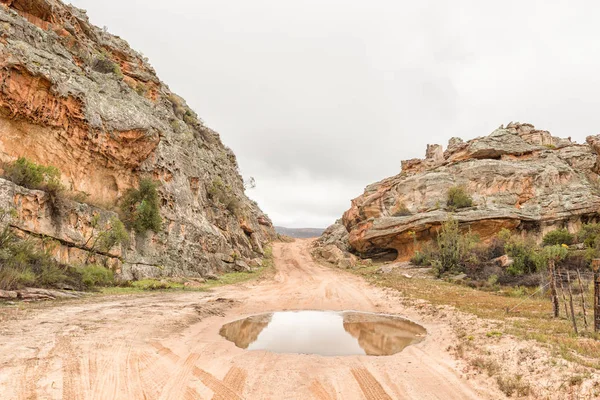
(575, 296)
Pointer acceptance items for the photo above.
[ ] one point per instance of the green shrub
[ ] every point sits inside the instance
(22, 264)
(454, 249)
(96, 275)
(222, 193)
(103, 64)
(420, 258)
(457, 197)
(588, 235)
(525, 255)
(113, 235)
(153, 284)
(26, 173)
(558, 236)
(141, 89)
(140, 208)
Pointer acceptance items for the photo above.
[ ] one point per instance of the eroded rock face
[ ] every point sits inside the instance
(78, 98)
(520, 178)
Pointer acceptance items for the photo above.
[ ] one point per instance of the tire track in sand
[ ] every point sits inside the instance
(235, 379)
(319, 391)
(219, 388)
(176, 386)
(369, 385)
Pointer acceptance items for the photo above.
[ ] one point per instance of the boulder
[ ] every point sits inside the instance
(503, 261)
(8, 294)
(255, 263)
(211, 276)
(241, 266)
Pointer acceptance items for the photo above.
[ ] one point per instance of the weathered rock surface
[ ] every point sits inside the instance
(35, 294)
(79, 98)
(520, 178)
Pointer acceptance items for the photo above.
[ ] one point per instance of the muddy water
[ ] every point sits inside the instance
(327, 333)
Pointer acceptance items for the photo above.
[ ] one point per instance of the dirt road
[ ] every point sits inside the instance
(167, 346)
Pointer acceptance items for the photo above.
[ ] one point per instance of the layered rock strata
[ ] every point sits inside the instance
(520, 178)
(80, 99)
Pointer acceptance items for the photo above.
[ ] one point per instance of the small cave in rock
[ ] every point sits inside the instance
(380, 255)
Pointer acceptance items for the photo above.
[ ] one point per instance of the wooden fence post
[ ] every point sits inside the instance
(553, 293)
(571, 302)
(596, 268)
(585, 322)
(564, 297)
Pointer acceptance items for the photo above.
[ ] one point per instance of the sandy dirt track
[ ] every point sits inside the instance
(167, 346)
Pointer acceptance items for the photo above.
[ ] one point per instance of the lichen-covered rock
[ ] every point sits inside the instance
(79, 98)
(519, 178)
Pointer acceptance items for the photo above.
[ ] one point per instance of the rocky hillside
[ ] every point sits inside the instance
(518, 178)
(78, 98)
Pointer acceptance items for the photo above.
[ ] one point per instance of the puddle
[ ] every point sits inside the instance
(327, 333)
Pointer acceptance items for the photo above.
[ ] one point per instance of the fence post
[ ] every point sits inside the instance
(564, 297)
(553, 288)
(571, 302)
(596, 268)
(585, 322)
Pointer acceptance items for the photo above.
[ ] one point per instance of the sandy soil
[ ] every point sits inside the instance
(167, 346)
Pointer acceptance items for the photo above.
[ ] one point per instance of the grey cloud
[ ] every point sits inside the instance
(319, 98)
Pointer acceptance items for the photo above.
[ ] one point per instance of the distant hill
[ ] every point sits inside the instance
(299, 233)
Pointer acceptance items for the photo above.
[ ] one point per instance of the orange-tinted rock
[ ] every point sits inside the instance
(78, 98)
(519, 178)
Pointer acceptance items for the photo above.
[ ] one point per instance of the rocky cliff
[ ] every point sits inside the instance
(80, 99)
(519, 178)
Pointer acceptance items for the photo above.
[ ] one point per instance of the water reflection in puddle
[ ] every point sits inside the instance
(327, 333)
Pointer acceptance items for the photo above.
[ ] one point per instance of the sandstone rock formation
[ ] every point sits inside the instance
(519, 178)
(80, 99)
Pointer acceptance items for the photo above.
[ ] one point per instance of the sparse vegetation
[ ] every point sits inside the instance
(525, 255)
(141, 89)
(457, 198)
(102, 63)
(491, 367)
(96, 275)
(183, 112)
(589, 234)
(103, 239)
(140, 208)
(510, 385)
(453, 248)
(420, 258)
(24, 263)
(221, 192)
(26, 173)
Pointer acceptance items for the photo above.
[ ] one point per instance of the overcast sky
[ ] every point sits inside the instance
(319, 98)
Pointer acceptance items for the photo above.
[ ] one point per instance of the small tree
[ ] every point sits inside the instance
(453, 248)
(457, 197)
(140, 207)
(525, 255)
(588, 235)
(112, 234)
